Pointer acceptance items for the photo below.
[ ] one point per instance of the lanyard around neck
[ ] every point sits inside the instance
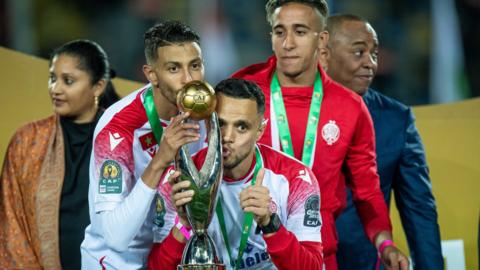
(247, 219)
(312, 122)
(152, 115)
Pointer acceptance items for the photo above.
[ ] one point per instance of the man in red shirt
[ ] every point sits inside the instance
(322, 123)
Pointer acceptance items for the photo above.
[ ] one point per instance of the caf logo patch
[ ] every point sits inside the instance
(312, 212)
(110, 178)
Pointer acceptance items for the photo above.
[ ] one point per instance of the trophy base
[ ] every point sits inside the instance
(215, 266)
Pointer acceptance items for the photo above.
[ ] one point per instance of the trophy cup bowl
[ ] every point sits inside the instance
(198, 98)
(200, 253)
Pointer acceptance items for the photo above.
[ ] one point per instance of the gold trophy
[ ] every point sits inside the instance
(200, 253)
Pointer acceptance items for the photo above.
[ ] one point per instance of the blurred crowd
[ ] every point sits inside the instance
(234, 34)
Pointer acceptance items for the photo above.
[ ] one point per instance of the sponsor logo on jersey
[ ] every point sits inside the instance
(312, 212)
(304, 176)
(253, 256)
(110, 178)
(330, 132)
(159, 211)
(115, 139)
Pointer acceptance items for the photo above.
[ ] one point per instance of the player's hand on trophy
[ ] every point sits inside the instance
(181, 195)
(176, 134)
(256, 199)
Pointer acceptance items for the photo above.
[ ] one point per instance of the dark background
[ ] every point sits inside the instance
(413, 65)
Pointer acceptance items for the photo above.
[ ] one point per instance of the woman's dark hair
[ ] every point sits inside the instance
(93, 60)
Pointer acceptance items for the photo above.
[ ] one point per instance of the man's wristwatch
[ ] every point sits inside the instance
(271, 227)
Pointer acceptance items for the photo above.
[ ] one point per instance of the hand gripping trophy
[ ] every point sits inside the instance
(199, 99)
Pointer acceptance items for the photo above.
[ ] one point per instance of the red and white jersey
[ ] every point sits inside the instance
(295, 198)
(124, 144)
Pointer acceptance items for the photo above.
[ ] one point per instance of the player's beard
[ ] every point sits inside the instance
(236, 160)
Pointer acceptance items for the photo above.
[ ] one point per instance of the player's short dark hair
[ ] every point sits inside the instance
(165, 34)
(320, 5)
(242, 89)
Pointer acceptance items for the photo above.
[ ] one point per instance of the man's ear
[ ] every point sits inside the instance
(262, 128)
(324, 57)
(323, 39)
(150, 74)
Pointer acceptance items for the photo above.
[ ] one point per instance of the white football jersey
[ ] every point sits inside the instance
(123, 146)
(295, 199)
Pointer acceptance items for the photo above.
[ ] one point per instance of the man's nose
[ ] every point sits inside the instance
(289, 41)
(369, 61)
(227, 135)
(186, 76)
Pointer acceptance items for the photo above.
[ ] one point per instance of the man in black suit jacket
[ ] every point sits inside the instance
(351, 59)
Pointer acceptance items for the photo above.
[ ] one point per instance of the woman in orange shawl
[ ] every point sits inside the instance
(44, 180)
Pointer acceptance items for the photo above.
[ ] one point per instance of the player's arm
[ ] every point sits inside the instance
(361, 169)
(283, 246)
(132, 208)
(168, 253)
(367, 196)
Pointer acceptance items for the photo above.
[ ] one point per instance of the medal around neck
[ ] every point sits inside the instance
(200, 253)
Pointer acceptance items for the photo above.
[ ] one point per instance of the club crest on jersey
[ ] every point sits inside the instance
(159, 211)
(110, 178)
(149, 143)
(330, 132)
(312, 212)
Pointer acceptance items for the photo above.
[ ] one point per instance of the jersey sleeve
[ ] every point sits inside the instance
(303, 207)
(298, 244)
(364, 181)
(111, 169)
(165, 212)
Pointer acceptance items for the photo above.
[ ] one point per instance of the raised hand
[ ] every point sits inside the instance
(174, 136)
(256, 199)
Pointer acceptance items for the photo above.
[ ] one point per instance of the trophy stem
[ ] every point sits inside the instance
(200, 254)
